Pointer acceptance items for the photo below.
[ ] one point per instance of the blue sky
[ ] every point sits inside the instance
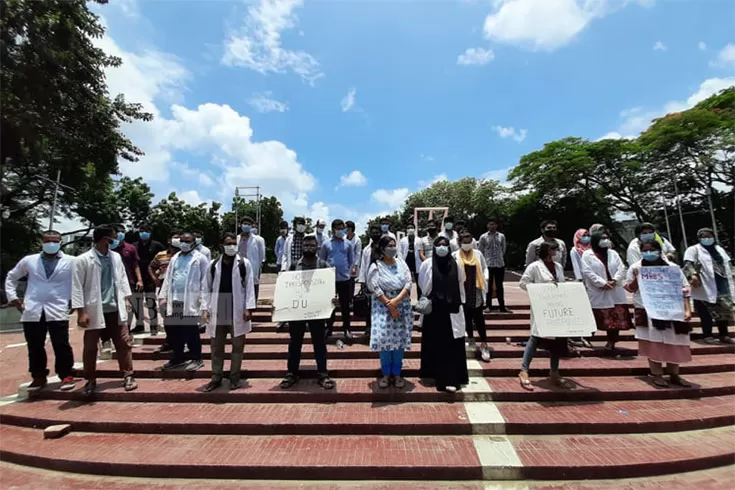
(342, 108)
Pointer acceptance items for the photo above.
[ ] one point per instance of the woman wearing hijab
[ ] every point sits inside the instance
(475, 290)
(543, 271)
(389, 281)
(581, 242)
(443, 355)
(707, 266)
(659, 340)
(604, 274)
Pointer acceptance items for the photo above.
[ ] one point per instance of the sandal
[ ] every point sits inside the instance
(384, 382)
(289, 381)
(677, 380)
(325, 382)
(525, 382)
(399, 382)
(660, 382)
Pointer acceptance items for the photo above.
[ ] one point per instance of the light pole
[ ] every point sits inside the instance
(57, 183)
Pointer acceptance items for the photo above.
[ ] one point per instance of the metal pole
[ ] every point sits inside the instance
(237, 229)
(257, 196)
(712, 212)
(681, 216)
(53, 203)
(666, 216)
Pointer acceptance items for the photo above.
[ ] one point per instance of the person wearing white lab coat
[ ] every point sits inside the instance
(293, 248)
(200, 247)
(604, 276)
(707, 266)
(475, 289)
(45, 309)
(645, 232)
(443, 354)
(230, 303)
(320, 237)
(407, 249)
(183, 298)
(100, 292)
(544, 270)
(252, 247)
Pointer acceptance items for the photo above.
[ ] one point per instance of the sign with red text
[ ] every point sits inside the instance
(560, 310)
(661, 292)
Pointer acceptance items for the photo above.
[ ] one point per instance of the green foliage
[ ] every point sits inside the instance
(173, 214)
(271, 215)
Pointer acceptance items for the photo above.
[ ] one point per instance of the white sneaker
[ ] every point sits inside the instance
(485, 354)
(451, 389)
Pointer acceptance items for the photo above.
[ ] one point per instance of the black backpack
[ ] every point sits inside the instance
(240, 265)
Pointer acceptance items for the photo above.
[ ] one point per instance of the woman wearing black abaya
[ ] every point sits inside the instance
(443, 355)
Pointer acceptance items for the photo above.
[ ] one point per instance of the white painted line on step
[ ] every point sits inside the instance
(477, 385)
(22, 344)
(7, 400)
(485, 417)
(498, 458)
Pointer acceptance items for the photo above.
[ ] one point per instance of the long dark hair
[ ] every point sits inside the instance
(377, 252)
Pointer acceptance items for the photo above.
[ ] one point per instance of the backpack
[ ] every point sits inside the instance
(240, 265)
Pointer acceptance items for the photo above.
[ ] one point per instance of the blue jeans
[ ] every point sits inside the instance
(391, 362)
(531, 347)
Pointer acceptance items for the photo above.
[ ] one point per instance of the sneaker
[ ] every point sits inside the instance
(212, 385)
(451, 389)
(90, 387)
(235, 384)
(37, 384)
(164, 349)
(195, 365)
(485, 354)
(154, 332)
(138, 329)
(171, 365)
(129, 383)
(67, 384)
(727, 340)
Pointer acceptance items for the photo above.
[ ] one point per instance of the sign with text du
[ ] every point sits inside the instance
(560, 310)
(661, 292)
(303, 295)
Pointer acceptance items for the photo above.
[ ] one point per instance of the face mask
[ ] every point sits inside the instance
(309, 251)
(230, 250)
(300, 228)
(707, 242)
(466, 247)
(411, 232)
(51, 248)
(390, 252)
(246, 228)
(449, 226)
(319, 230)
(185, 246)
(144, 235)
(647, 237)
(176, 242)
(339, 233)
(651, 255)
(121, 236)
(550, 233)
(384, 228)
(606, 243)
(199, 240)
(442, 251)
(585, 240)
(115, 243)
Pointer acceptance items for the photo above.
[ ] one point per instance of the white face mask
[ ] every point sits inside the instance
(176, 242)
(411, 232)
(230, 250)
(442, 251)
(198, 240)
(606, 243)
(466, 247)
(185, 246)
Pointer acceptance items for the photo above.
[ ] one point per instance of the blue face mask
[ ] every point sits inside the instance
(339, 233)
(246, 228)
(707, 242)
(385, 228)
(448, 226)
(651, 255)
(648, 237)
(115, 243)
(585, 240)
(185, 247)
(120, 236)
(51, 248)
(145, 236)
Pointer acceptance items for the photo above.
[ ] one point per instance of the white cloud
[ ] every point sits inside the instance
(348, 101)
(257, 45)
(475, 56)
(702, 46)
(394, 198)
(266, 103)
(191, 197)
(659, 46)
(726, 57)
(428, 183)
(353, 179)
(426, 158)
(511, 132)
(501, 175)
(129, 8)
(546, 25)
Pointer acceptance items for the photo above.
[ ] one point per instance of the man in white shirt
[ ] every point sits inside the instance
(281, 243)
(385, 227)
(548, 234)
(449, 232)
(426, 247)
(320, 226)
(45, 308)
(407, 249)
(252, 247)
(200, 247)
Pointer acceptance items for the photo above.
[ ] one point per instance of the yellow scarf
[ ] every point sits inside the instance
(470, 259)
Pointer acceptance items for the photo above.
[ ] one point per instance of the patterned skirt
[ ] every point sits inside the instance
(388, 333)
(616, 318)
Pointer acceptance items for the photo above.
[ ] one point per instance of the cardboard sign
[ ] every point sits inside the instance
(560, 310)
(303, 295)
(661, 292)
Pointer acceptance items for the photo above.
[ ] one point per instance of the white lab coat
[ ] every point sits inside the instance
(483, 266)
(538, 273)
(707, 291)
(255, 254)
(367, 254)
(576, 259)
(196, 285)
(633, 253)
(593, 272)
(86, 288)
(243, 298)
(426, 274)
(205, 251)
(534, 245)
(50, 295)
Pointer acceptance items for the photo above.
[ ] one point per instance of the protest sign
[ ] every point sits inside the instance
(661, 292)
(561, 310)
(303, 295)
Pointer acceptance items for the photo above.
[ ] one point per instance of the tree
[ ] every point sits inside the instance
(173, 214)
(271, 215)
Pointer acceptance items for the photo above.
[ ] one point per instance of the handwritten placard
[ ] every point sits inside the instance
(303, 295)
(560, 310)
(661, 293)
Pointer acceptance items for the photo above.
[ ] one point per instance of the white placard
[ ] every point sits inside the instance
(661, 292)
(561, 310)
(303, 295)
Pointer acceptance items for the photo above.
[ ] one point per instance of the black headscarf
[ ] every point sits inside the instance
(600, 253)
(445, 279)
